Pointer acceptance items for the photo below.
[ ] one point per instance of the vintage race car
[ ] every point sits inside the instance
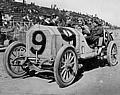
(57, 50)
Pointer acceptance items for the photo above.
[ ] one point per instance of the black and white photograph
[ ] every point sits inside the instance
(59, 47)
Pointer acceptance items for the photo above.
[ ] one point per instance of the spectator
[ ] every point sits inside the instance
(89, 23)
(1, 22)
(69, 21)
(55, 20)
(47, 21)
(7, 18)
(26, 18)
(41, 19)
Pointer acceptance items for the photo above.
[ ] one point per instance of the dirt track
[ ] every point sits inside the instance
(98, 81)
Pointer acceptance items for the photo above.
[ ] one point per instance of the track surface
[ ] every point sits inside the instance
(95, 81)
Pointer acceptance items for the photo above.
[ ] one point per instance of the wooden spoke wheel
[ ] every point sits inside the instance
(112, 53)
(65, 67)
(14, 58)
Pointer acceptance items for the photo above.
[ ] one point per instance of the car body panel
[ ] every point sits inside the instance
(47, 40)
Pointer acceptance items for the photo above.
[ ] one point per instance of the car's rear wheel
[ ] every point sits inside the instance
(14, 58)
(66, 66)
(112, 53)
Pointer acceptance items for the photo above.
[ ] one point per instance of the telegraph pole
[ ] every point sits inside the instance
(24, 1)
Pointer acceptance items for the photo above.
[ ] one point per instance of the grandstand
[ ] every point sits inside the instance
(18, 10)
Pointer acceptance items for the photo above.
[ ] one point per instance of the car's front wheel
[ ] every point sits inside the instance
(66, 66)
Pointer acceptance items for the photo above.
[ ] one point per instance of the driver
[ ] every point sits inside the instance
(95, 33)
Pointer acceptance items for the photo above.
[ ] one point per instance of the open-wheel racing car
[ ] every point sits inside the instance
(57, 50)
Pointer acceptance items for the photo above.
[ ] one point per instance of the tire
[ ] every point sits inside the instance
(65, 72)
(112, 54)
(13, 57)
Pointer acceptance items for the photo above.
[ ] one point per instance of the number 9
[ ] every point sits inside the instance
(42, 42)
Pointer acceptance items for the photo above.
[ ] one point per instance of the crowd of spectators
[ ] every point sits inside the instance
(16, 11)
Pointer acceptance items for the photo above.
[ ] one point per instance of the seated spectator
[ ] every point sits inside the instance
(37, 20)
(89, 23)
(41, 19)
(47, 21)
(26, 18)
(1, 20)
(68, 21)
(55, 20)
(7, 18)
